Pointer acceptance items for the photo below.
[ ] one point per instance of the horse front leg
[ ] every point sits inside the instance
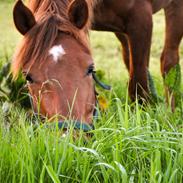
(139, 31)
(170, 67)
(125, 49)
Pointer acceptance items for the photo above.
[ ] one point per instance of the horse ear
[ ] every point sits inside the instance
(78, 13)
(24, 19)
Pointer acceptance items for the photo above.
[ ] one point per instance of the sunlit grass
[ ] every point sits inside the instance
(128, 144)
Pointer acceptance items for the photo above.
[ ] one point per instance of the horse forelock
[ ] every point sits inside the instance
(51, 17)
(61, 5)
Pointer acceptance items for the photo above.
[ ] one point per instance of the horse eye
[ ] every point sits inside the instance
(90, 70)
(29, 79)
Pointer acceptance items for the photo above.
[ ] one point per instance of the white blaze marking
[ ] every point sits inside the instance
(57, 52)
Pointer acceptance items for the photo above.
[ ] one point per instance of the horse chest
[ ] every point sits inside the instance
(108, 14)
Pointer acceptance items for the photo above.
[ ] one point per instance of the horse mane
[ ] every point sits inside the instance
(34, 5)
(52, 18)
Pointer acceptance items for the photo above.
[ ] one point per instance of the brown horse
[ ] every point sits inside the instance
(131, 21)
(55, 58)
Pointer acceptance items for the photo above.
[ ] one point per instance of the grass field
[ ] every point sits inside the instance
(130, 144)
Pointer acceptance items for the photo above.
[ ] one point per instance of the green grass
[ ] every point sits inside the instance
(127, 146)
(130, 144)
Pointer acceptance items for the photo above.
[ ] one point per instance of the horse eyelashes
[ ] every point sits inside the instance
(90, 70)
(29, 79)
